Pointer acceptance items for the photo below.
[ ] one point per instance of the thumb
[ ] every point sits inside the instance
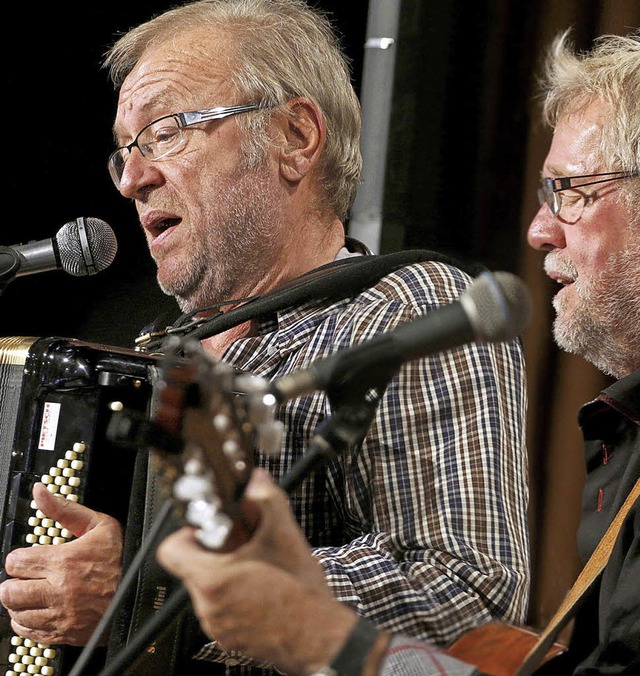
(75, 517)
(178, 551)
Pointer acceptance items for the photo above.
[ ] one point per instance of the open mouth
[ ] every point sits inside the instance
(161, 228)
(561, 279)
(165, 224)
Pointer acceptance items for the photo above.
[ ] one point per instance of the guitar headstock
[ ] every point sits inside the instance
(222, 417)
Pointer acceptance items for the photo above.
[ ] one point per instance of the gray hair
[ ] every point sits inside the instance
(609, 73)
(282, 49)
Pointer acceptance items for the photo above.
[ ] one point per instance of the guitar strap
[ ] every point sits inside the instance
(594, 566)
(339, 279)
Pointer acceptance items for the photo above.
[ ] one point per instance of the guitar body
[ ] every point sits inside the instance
(498, 649)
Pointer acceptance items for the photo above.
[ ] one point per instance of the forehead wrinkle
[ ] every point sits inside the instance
(189, 60)
(172, 85)
(176, 76)
(577, 154)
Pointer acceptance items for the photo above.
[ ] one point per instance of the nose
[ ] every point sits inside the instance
(546, 231)
(139, 174)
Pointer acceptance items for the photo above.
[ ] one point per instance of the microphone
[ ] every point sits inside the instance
(495, 307)
(81, 247)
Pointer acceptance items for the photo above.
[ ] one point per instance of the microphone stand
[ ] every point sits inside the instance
(353, 415)
(354, 401)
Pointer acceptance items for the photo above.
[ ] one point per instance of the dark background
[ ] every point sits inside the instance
(459, 117)
(56, 143)
(459, 123)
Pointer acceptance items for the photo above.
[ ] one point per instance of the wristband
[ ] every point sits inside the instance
(353, 654)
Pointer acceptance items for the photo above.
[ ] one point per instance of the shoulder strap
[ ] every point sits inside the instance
(592, 569)
(339, 279)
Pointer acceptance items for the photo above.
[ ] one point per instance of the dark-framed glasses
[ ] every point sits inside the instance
(166, 135)
(570, 205)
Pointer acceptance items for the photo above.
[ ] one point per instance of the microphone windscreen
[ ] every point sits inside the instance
(86, 246)
(498, 305)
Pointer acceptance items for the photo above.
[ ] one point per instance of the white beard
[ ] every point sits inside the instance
(602, 323)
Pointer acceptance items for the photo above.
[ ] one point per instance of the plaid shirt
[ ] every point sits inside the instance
(422, 527)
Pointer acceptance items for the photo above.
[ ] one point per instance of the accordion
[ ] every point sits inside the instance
(56, 399)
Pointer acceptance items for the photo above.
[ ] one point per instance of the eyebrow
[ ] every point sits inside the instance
(557, 172)
(157, 101)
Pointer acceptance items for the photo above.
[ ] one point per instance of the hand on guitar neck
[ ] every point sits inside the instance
(198, 402)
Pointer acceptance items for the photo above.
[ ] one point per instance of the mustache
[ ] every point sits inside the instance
(555, 264)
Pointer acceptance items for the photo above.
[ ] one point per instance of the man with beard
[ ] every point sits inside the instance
(589, 225)
(237, 129)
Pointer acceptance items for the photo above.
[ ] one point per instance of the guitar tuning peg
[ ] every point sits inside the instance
(191, 488)
(213, 526)
(261, 408)
(216, 533)
(251, 384)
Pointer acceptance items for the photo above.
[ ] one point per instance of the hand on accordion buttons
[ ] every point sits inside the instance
(57, 593)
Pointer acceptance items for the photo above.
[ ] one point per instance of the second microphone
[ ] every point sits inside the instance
(496, 307)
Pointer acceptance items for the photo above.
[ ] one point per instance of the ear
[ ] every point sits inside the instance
(303, 131)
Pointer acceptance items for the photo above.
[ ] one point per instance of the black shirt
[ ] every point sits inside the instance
(606, 635)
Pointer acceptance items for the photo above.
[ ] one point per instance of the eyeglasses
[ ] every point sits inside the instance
(166, 135)
(569, 207)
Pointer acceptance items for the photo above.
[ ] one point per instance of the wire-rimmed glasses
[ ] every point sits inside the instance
(569, 207)
(166, 135)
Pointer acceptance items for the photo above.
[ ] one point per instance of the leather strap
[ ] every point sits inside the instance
(594, 566)
(339, 279)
